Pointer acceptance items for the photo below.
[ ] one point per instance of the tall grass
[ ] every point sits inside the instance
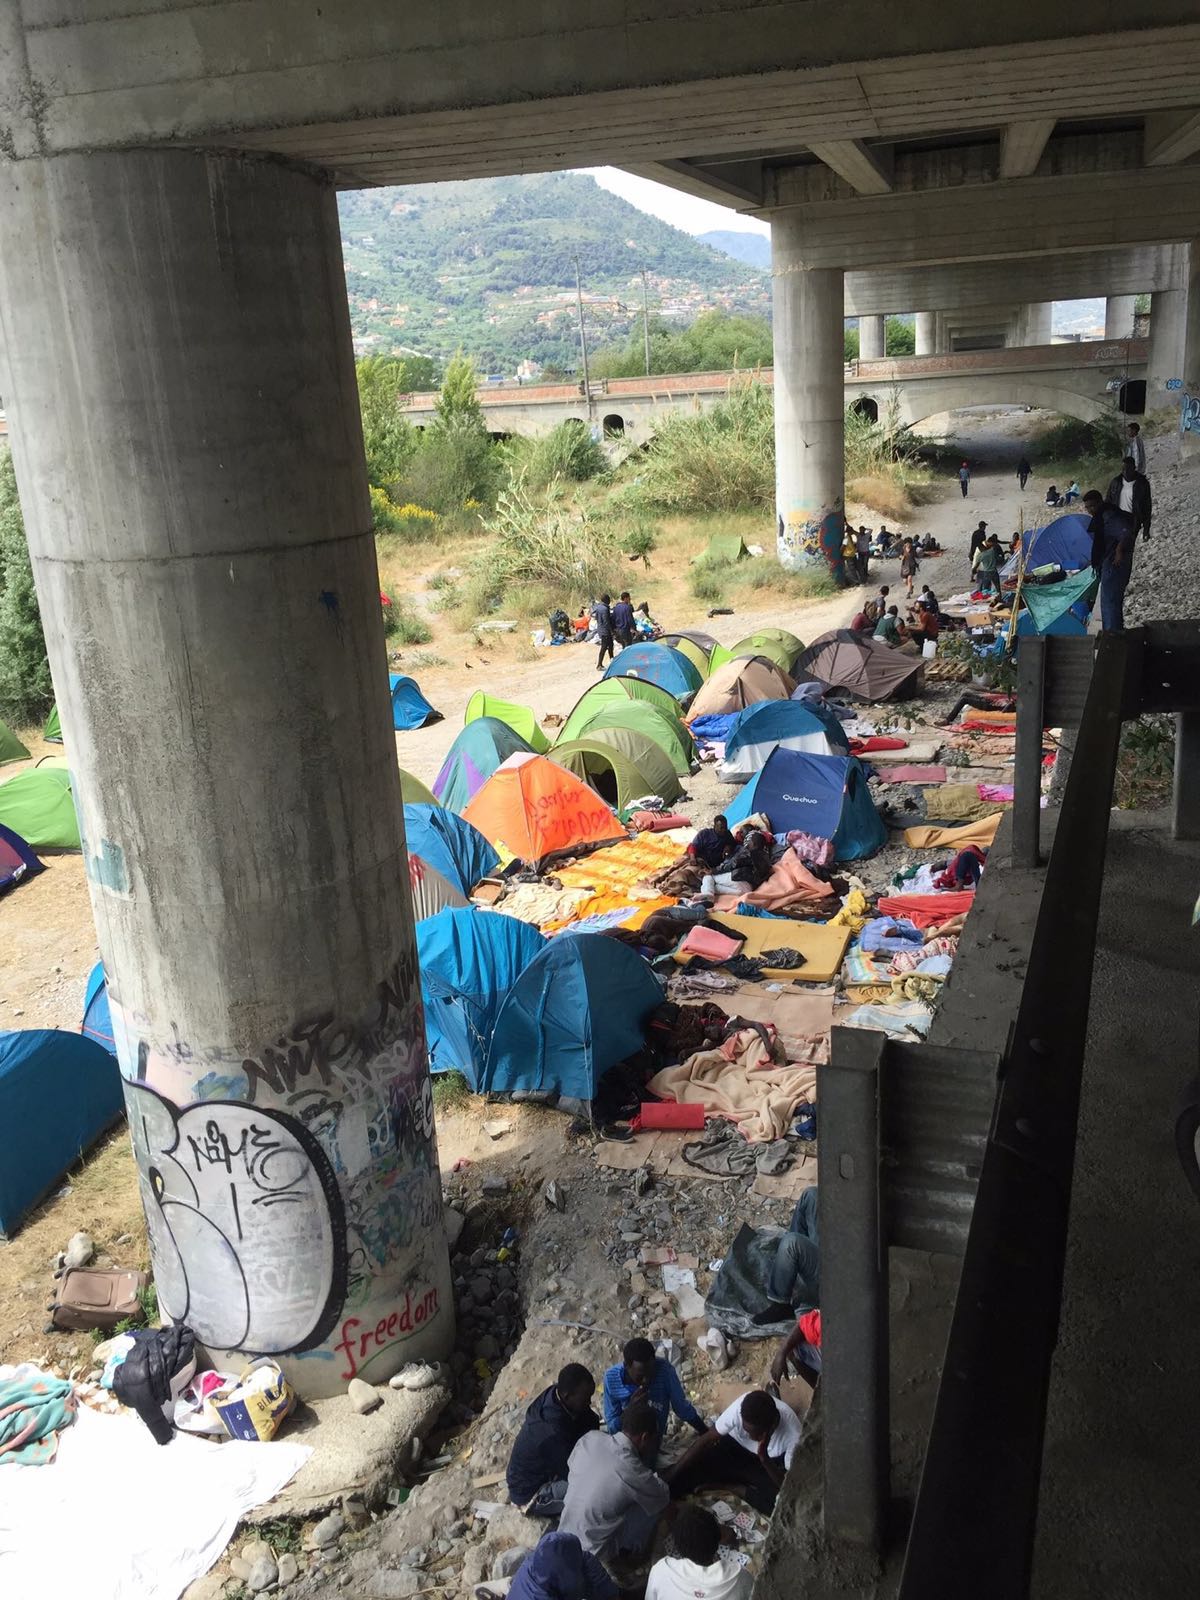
(568, 452)
(714, 581)
(1089, 451)
(542, 550)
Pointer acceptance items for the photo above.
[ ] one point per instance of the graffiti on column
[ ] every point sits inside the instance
(1189, 414)
(813, 539)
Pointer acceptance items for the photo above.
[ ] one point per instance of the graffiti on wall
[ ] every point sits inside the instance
(807, 539)
(1189, 414)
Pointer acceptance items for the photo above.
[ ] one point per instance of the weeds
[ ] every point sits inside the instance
(539, 543)
(1145, 763)
(425, 659)
(1089, 451)
(404, 625)
(567, 453)
(282, 1535)
(451, 1091)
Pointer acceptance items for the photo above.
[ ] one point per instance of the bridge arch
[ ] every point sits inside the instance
(614, 425)
(916, 401)
(865, 406)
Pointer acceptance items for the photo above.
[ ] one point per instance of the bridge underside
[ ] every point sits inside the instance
(908, 405)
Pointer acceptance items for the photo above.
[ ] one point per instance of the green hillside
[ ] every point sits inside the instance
(490, 266)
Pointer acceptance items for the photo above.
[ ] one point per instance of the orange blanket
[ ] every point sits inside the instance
(982, 832)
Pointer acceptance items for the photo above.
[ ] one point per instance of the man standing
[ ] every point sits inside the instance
(978, 540)
(1130, 492)
(614, 1497)
(602, 618)
(1023, 471)
(1112, 556)
(863, 544)
(622, 616)
(964, 479)
(1136, 446)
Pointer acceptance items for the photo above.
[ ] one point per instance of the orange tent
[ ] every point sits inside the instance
(532, 809)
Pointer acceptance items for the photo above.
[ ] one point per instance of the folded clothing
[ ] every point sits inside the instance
(927, 910)
(710, 943)
(982, 832)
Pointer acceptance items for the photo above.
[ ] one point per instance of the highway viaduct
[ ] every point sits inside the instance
(175, 337)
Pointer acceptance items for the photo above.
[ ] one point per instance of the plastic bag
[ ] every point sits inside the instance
(260, 1403)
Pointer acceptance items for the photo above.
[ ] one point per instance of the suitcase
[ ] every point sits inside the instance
(95, 1298)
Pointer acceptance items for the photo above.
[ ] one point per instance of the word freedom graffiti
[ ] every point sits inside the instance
(361, 1345)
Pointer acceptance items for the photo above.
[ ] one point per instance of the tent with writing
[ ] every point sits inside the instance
(823, 795)
(739, 683)
(37, 804)
(97, 1014)
(659, 664)
(17, 860)
(621, 764)
(448, 842)
(469, 962)
(11, 748)
(410, 709)
(773, 725)
(614, 692)
(863, 668)
(475, 754)
(519, 718)
(579, 1007)
(532, 808)
(665, 729)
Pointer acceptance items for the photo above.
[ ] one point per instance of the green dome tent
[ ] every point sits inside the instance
(621, 765)
(414, 793)
(718, 656)
(693, 652)
(726, 547)
(52, 732)
(615, 691)
(667, 732)
(11, 748)
(37, 804)
(777, 644)
(519, 718)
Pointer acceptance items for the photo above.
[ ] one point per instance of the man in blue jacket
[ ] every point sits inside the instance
(641, 1375)
(1113, 534)
(553, 1426)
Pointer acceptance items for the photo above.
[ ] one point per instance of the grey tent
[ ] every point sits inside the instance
(864, 668)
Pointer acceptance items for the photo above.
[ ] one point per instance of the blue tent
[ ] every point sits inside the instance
(97, 1017)
(58, 1093)
(469, 961)
(1065, 543)
(17, 860)
(659, 664)
(773, 724)
(577, 1009)
(824, 795)
(449, 843)
(410, 709)
(475, 754)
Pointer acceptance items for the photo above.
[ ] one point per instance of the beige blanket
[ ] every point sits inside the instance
(742, 1082)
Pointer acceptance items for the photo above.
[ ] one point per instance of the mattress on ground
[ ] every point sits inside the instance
(915, 754)
(821, 944)
(618, 867)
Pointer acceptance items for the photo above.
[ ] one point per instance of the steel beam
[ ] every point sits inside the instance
(1027, 774)
(1185, 814)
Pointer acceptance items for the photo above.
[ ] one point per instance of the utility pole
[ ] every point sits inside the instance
(646, 320)
(587, 387)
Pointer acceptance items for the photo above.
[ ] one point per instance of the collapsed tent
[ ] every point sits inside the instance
(725, 547)
(777, 644)
(431, 890)
(776, 724)
(413, 792)
(52, 732)
(866, 670)
(410, 709)
(739, 683)
(579, 1007)
(614, 691)
(17, 860)
(97, 1014)
(666, 730)
(656, 663)
(475, 754)
(519, 718)
(448, 842)
(37, 804)
(11, 748)
(58, 1093)
(469, 962)
(621, 764)
(1058, 608)
(826, 796)
(532, 808)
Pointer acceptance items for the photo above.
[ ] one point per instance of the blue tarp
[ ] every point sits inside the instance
(410, 709)
(657, 663)
(824, 795)
(1065, 543)
(449, 843)
(713, 728)
(772, 724)
(577, 1009)
(97, 1018)
(469, 961)
(17, 860)
(475, 754)
(58, 1093)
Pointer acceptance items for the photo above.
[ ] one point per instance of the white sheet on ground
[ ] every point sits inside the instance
(117, 1517)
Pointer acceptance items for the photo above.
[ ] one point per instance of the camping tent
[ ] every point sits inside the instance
(866, 670)
(725, 547)
(621, 764)
(449, 843)
(410, 709)
(11, 748)
(58, 1093)
(657, 663)
(777, 644)
(97, 1014)
(1065, 543)
(823, 795)
(693, 652)
(469, 961)
(671, 736)
(413, 792)
(475, 754)
(703, 641)
(1058, 608)
(17, 860)
(775, 724)
(579, 1007)
(614, 691)
(37, 804)
(519, 718)
(431, 890)
(52, 732)
(738, 684)
(532, 808)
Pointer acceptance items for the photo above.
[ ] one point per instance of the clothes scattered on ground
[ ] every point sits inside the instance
(982, 832)
(34, 1409)
(743, 1081)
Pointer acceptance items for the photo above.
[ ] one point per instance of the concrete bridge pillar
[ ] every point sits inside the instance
(1189, 419)
(177, 343)
(1164, 360)
(1034, 323)
(871, 338)
(1118, 316)
(809, 403)
(926, 333)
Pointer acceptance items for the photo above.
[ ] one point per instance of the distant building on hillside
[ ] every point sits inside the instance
(528, 370)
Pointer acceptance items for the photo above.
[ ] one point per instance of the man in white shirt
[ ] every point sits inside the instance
(749, 1448)
(697, 1568)
(1136, 446)
(1130, 492)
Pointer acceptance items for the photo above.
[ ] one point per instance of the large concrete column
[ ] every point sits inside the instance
(926, 333)
(871, 338)
(1164, 360)
(1034, 323)
(189, 457)
(1189, 417)
(1118, 316)
(809, 404)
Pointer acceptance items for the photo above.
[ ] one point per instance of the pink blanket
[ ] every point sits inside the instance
(791, 887)
(916, 775)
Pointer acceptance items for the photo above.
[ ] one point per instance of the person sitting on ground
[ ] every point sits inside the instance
(1072, 494)
(987, 566)
(1130, 492)
(800, 1352)
(614, 1497)
(642, 1375)
(861, 622)
(622, 618)
(926, 627)
(884, 538)
(874, 609)
(1015, 543)
(559, 1568)
(747, 868)
(890, 629)
(796, 1274)
(927, 596)
(1053, 498)
(929, 543)
(698, 1568)
(749, 1447)
(554, 1424)
(712, 846)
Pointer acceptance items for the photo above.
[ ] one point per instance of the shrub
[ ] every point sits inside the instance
(722, 459)
(765, 575)
(568, 452)
(454, 469)
(26, 693)
(708, 579)
(404, 625)
(640, 541)
(537, 541)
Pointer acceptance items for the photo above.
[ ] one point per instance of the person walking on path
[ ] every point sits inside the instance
(1136, 446)
(602, 618)
(863, 544)
(908, 565)
(1130, 492)
(1113, 538)
(1024, 471)
(964, 479)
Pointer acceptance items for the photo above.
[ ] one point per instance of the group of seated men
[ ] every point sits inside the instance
(606, 1488)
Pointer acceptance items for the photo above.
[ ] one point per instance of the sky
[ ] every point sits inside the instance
(680, 210)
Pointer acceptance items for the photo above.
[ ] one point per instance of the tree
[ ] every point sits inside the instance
(388, 437)
(716, 342)
(900, 338)
(850, 343)
(26, 693)
(458, 402)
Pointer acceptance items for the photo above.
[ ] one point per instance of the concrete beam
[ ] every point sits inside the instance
(1171, 136)
(1140, 269)
(738, 185)
(1021, 146)
(859, 165)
